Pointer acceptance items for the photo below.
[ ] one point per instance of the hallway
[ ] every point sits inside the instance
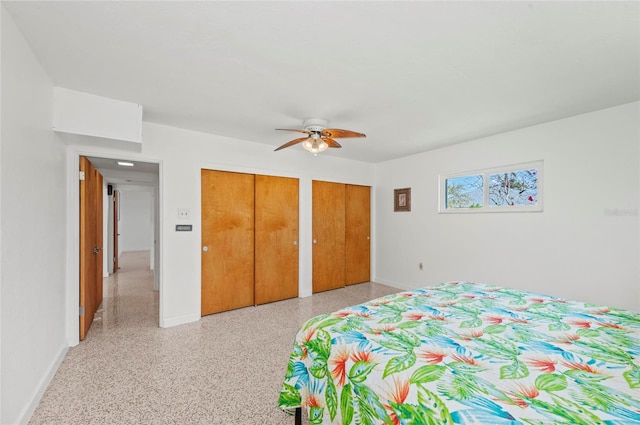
(129, 298)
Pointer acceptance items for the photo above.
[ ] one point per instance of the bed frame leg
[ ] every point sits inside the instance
(298, 415)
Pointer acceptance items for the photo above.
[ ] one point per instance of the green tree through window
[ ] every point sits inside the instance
(465, 192)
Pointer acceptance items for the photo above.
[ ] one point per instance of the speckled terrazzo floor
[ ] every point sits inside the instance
(225, 369)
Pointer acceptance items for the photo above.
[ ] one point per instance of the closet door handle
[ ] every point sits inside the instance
(315, 241)
(295, 242)
(205, 248)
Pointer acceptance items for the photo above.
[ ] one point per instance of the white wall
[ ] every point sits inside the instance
(181, 155)
(577, 247)
(135, 224)
(32, 229)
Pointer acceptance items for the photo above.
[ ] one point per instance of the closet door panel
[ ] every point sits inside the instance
(328, 249)
(227, 240)
(358, 233)
(276, 238)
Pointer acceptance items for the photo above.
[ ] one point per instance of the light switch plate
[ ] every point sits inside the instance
(184, 213)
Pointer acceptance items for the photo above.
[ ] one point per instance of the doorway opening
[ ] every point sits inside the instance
(131, 219)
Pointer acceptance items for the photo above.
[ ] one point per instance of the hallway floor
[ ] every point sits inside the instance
(226, 368)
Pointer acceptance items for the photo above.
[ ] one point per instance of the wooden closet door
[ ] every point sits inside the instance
(276, 259)
(227, 240)
(328, 248)
(358, 230)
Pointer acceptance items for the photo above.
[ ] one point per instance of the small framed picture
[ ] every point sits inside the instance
(402, 199)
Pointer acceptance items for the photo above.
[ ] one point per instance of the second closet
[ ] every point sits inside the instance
(341, 235)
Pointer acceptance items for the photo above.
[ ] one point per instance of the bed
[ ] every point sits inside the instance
(467, 353)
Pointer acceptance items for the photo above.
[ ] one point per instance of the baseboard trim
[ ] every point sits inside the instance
(42, 387)
(179, 320)
(394, 284)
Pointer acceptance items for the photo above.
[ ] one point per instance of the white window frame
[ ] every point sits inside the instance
(486, 172)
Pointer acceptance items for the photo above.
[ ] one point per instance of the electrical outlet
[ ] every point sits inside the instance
(184, 213)
(420, 265)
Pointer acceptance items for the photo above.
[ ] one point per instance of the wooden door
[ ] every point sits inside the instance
(90, 244)
(276, 238)
(358, 233)
(227, 240)
(328, 249)
(116, 219)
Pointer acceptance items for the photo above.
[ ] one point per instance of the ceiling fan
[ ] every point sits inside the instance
(319, 137)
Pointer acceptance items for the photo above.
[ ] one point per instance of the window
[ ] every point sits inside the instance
(510, 188)
(465, 192)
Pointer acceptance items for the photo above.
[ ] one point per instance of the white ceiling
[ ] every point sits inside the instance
(413, 76)
(140, 174)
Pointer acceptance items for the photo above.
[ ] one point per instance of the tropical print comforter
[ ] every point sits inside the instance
(467, 353)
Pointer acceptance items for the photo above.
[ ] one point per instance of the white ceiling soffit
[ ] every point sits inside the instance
(413, 76)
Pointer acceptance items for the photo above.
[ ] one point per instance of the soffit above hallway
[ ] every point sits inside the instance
(413, 76)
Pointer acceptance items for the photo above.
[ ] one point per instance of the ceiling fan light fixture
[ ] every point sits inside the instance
(314, 143)
(315, 146)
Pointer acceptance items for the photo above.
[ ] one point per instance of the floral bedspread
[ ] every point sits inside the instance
(467, 353)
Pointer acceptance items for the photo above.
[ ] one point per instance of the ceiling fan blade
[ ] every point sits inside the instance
(331, 143)
(341, 134)
(292, 129)
(291, 143)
